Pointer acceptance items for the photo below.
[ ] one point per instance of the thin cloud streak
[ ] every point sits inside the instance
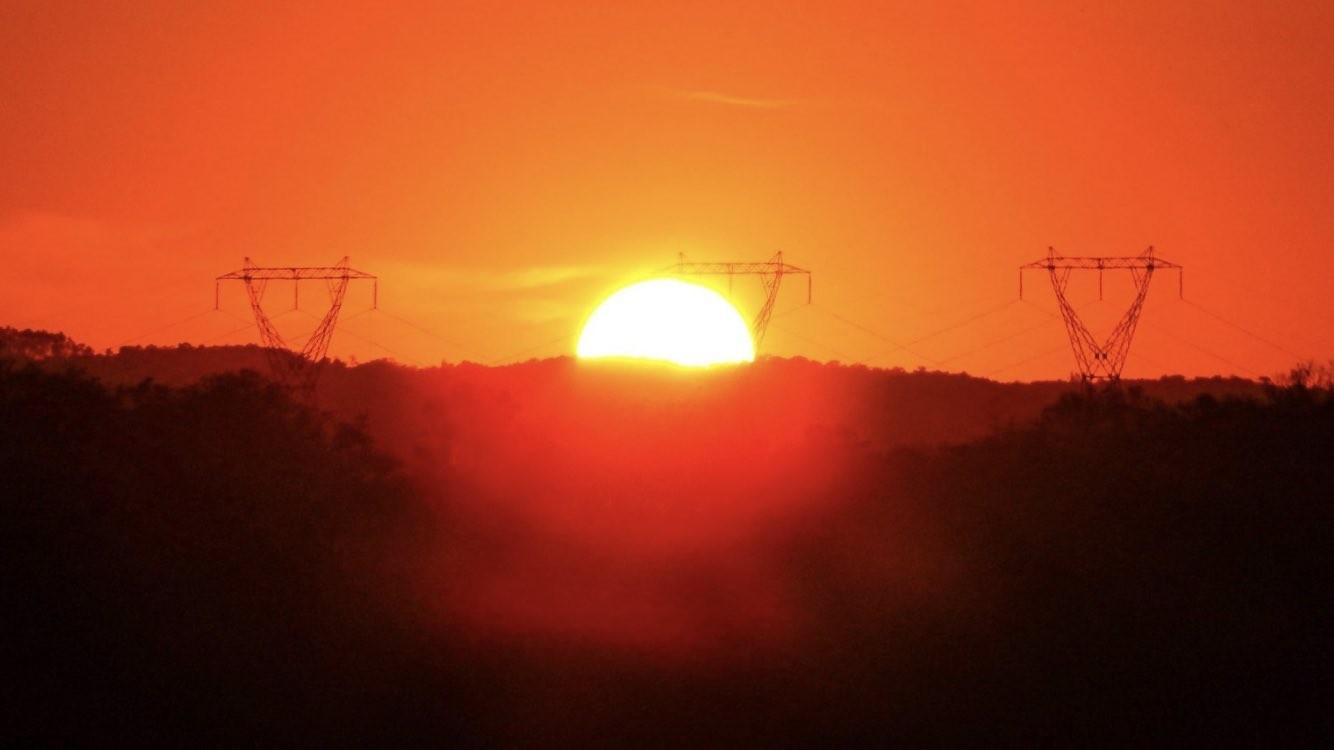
(492, 280)
(716, 97)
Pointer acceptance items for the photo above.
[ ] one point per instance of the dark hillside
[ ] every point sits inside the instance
(554, 554)
(213, 559)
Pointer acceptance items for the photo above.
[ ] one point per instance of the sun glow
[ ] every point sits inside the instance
(668, 320)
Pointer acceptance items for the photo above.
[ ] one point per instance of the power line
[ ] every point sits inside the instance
(878, 291)
(1026, 360)
(529, 350)
(356, 315)
(962, 323)
(210, 340)
(1250, 333)
(946, 329)
(166, 327)
(251, 322)
(865, 329)
(378, 345)
(426, 331)
(92, 301)
(1052, 318)
(1294, 304)
(1139, 354)
(1202, 350)
(790, 310)
(988, 345)
(255, 279)
(846, 358)
(248, 325)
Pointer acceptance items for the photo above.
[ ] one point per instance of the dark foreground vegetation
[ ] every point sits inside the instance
(597, 557)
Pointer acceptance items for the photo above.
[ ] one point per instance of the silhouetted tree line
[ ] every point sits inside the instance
(215, 561)
(29, 344)
(209, 562)
(1121, 572)
(886, 408)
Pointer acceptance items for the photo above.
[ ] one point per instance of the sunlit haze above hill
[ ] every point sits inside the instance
(503, 168)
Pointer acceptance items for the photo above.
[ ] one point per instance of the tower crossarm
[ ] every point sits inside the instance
(1059, 262)
(733, 269)
(1101, 359)
(295, 274)
(298, 368)
(770, 272)
(1145, 262)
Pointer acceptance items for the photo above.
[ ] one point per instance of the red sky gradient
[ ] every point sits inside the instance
(501, 168)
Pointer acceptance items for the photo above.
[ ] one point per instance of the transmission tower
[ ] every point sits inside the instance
(297, 369)
(771, 273)
(1101, 360)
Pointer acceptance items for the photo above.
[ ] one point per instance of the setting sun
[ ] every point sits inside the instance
(668, 320)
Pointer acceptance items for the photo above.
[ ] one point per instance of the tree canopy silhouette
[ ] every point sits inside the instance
(213, 558)
(559, 555)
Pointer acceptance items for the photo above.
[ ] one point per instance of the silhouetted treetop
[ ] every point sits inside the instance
(36, 345)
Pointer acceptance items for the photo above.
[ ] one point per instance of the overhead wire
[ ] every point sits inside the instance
(238, 317)
(382, 347)
(1294, 304)
(67, 306)
(1024, 361)
(424, 330)
(1202, 350)
(789, 332)
(355, 315)
(1052, 318)
(895, 343)
(1244, 330)
(868, 330)
(879, 291)
(166, 327)
(211, 339)
(1139, 354)
(968, 353)
(247, 325)
(946, 329)
(529, 350)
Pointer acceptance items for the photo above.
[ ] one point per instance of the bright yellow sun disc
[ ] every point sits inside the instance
(667, 320)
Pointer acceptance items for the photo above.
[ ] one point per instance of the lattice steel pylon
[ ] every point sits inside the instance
(771, 273)
(297, 369)
(1101, 361)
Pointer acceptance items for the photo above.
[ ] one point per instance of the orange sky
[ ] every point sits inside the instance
(501, 169)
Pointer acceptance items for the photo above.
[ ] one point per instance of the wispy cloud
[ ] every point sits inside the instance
(545, 276)
(732, 100)
(496, 280)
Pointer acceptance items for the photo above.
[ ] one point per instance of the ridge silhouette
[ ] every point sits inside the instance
(561, 555)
